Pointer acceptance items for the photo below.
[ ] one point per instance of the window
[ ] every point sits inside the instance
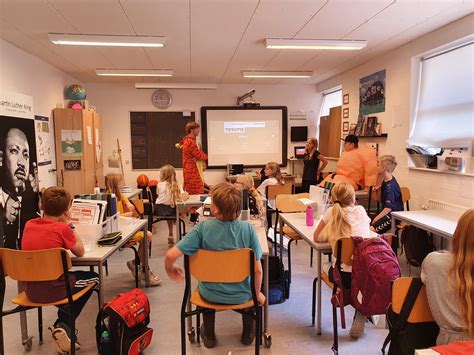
(331, 99)
(443, 114)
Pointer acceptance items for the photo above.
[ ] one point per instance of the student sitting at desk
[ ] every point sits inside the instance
(391, 196)
(53, 231)
(449, 280)
(255, 199)
(344, 219)
(169, 192)
(273, 174)
(224, 232)
(114, 183)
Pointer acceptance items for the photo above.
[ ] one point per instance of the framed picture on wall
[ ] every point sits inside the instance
(371, 126)
(352, 128)
(345, 126)
(345, 113)
(345, 99)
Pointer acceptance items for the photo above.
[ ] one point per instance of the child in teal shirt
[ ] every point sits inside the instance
(224, 232)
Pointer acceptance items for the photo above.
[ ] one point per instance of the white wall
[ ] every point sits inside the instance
(26, 74)
(115, 101)
(396, 118)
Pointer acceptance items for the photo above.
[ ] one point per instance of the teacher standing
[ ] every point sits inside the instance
(192, 155)
(312, 161)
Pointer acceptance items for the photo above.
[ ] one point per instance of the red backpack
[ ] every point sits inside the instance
(374, 269)
(125, 318)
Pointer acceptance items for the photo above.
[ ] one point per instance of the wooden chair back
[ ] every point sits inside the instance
(38, 265)
(376, 195)
(274, 190)
(346, 246)
(221, 266)
(406, 196)
(289, 203)
(421, 310)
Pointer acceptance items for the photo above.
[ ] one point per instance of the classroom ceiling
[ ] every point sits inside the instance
(213, 41)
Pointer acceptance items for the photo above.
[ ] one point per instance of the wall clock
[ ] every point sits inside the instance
(161, 99)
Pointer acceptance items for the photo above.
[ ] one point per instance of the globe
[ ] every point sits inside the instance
(76, 92)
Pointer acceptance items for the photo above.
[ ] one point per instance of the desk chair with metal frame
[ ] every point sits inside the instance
(40, 265)
(271, 192)
(227, 266)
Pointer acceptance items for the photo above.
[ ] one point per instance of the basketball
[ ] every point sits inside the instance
(142, 180)
(153, 183)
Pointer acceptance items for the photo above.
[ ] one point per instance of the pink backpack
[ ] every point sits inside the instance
(374, 269)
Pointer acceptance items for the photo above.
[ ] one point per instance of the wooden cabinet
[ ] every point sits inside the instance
(330, 133)
(78, 136)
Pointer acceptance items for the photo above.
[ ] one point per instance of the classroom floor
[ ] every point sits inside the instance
(290, 322)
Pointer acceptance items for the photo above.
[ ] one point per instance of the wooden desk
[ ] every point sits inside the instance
(436, 221)
(286, 178)
(99, 255)
(297, 222)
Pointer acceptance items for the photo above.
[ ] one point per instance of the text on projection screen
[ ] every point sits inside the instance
(250, 137)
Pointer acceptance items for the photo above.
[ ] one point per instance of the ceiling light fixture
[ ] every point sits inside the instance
(106, 40)
(134, 72)
(277, 74)
(183, 86)
(337, 44)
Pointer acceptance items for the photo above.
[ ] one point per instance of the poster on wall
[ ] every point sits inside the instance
(18, 167)
(372, 93)
(71, 142)
(43, 144)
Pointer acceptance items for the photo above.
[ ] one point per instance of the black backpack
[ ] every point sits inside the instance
(278, 281)
(405, 337)
(417, 244)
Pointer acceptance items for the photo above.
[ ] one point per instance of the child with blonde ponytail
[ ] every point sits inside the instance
(169, 192)
(344, 219)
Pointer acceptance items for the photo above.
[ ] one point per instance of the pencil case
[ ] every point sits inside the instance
(109, 239)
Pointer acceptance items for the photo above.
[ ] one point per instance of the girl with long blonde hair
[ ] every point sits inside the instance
(344, 219)
(114, 183)
(273, 177)
(313, 164)
(449, 280)
(256, 202)
(169, 193)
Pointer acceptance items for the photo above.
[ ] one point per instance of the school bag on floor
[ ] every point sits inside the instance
(405, 337)
(417, 244)
(374, 268)
(126, 319)
(278, 281)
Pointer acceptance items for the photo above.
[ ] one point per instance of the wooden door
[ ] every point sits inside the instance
(334, 150)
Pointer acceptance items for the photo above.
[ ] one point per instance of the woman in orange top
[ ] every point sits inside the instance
(193, 184)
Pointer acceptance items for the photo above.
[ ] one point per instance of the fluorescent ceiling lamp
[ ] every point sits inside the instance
(184, 86)
(112, 41)
(134, 72)
(277, 74)
(337, 44)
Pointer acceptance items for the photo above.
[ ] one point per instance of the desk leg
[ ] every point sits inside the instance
(145, 262)
(177, 236)
(319, 256)
(392, 230)
(100, 268)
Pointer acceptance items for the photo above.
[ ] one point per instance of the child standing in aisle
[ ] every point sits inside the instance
(225, 232)
(344, 219)
(169, 192)
(391, 196)
(114, 183)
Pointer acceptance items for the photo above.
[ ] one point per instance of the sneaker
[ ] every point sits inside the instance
(358, 325)
(131, 267)
(209, 340)
(61, 338)
(154, 280)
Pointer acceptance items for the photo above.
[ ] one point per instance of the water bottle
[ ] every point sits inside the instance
(105, 343)
(113, 204)
(309, 216)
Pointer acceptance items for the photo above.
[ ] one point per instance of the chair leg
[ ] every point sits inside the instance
(257, 330)
(73, 330)
(289, 260)
(183, 334)
(311, 257)
(2, 350)
(198, 326)
(334, 325)
(137, 262)
(313, 304)
(149, 249)
(40, 324)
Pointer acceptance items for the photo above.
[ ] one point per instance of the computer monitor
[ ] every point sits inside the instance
(299, 133)
(299, 152)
